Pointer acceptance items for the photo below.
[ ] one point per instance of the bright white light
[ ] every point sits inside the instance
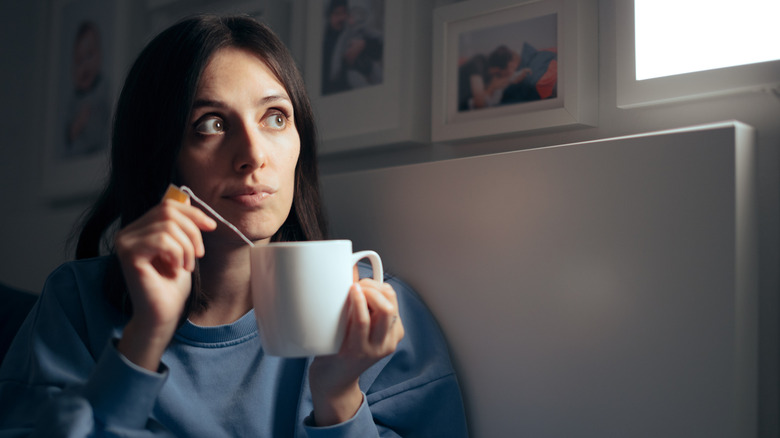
(683, 36)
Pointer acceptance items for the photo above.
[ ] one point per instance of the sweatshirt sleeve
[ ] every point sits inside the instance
(412, 393)
(360, 425)
(63, 376)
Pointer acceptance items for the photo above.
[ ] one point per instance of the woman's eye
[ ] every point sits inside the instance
(276, 121)
(210, 126)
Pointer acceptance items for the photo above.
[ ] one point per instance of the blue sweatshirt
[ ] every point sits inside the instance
(64, 377)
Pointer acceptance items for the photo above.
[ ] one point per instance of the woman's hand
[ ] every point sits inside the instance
(157, 253)
(374, 330)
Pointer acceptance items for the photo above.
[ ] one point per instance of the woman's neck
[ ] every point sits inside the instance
(225, 274)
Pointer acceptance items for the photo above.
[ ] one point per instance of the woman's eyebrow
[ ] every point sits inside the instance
(267, 100)
(273, 98)
(201, 103)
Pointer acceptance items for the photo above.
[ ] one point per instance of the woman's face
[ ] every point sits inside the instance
(241, 146)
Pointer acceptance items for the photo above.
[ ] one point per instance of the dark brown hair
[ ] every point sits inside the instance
(151, 120)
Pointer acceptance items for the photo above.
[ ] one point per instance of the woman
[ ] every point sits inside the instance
(159, 337)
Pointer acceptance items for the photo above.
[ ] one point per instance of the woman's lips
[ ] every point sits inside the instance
(251, 198)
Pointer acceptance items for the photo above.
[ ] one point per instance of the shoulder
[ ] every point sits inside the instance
(423, 338)
(76, 288)
(68, 327)
(86, 274)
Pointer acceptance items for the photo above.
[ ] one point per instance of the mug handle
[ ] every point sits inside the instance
(376, 263)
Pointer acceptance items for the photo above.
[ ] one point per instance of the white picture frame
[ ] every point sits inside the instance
(391, 112)
(85, 59)
(469, 31)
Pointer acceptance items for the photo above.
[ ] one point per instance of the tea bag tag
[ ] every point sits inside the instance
(174, 193)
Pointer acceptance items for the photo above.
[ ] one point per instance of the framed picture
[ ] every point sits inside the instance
(84, 58)
(503, 67)
(364, 72)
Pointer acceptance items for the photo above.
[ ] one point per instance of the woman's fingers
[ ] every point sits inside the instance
(171, 232)
(383, 306)
(192, 221)
(375, 326)
(184, 225)
(162, 242)
(359, 326)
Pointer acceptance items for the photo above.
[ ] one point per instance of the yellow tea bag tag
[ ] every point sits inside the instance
(175, 194)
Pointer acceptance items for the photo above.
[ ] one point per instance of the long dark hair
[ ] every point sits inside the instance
(150, 123)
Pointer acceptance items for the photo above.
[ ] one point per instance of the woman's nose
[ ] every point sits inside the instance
(250, 150)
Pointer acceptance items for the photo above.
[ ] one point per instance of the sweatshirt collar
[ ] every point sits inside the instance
(239, 331)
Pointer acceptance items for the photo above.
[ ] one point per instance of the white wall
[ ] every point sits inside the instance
(33, 229)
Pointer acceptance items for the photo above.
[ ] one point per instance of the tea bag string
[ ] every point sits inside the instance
(188, 191)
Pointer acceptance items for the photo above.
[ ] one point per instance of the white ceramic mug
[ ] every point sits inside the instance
(300, 291)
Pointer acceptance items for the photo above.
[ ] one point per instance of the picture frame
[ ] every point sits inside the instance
(390, 111)
(85, 58)
(503, 67)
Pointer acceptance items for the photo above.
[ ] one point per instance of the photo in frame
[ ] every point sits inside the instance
(364, 70)
(353, 38)
(84, 55)
(503, 67)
